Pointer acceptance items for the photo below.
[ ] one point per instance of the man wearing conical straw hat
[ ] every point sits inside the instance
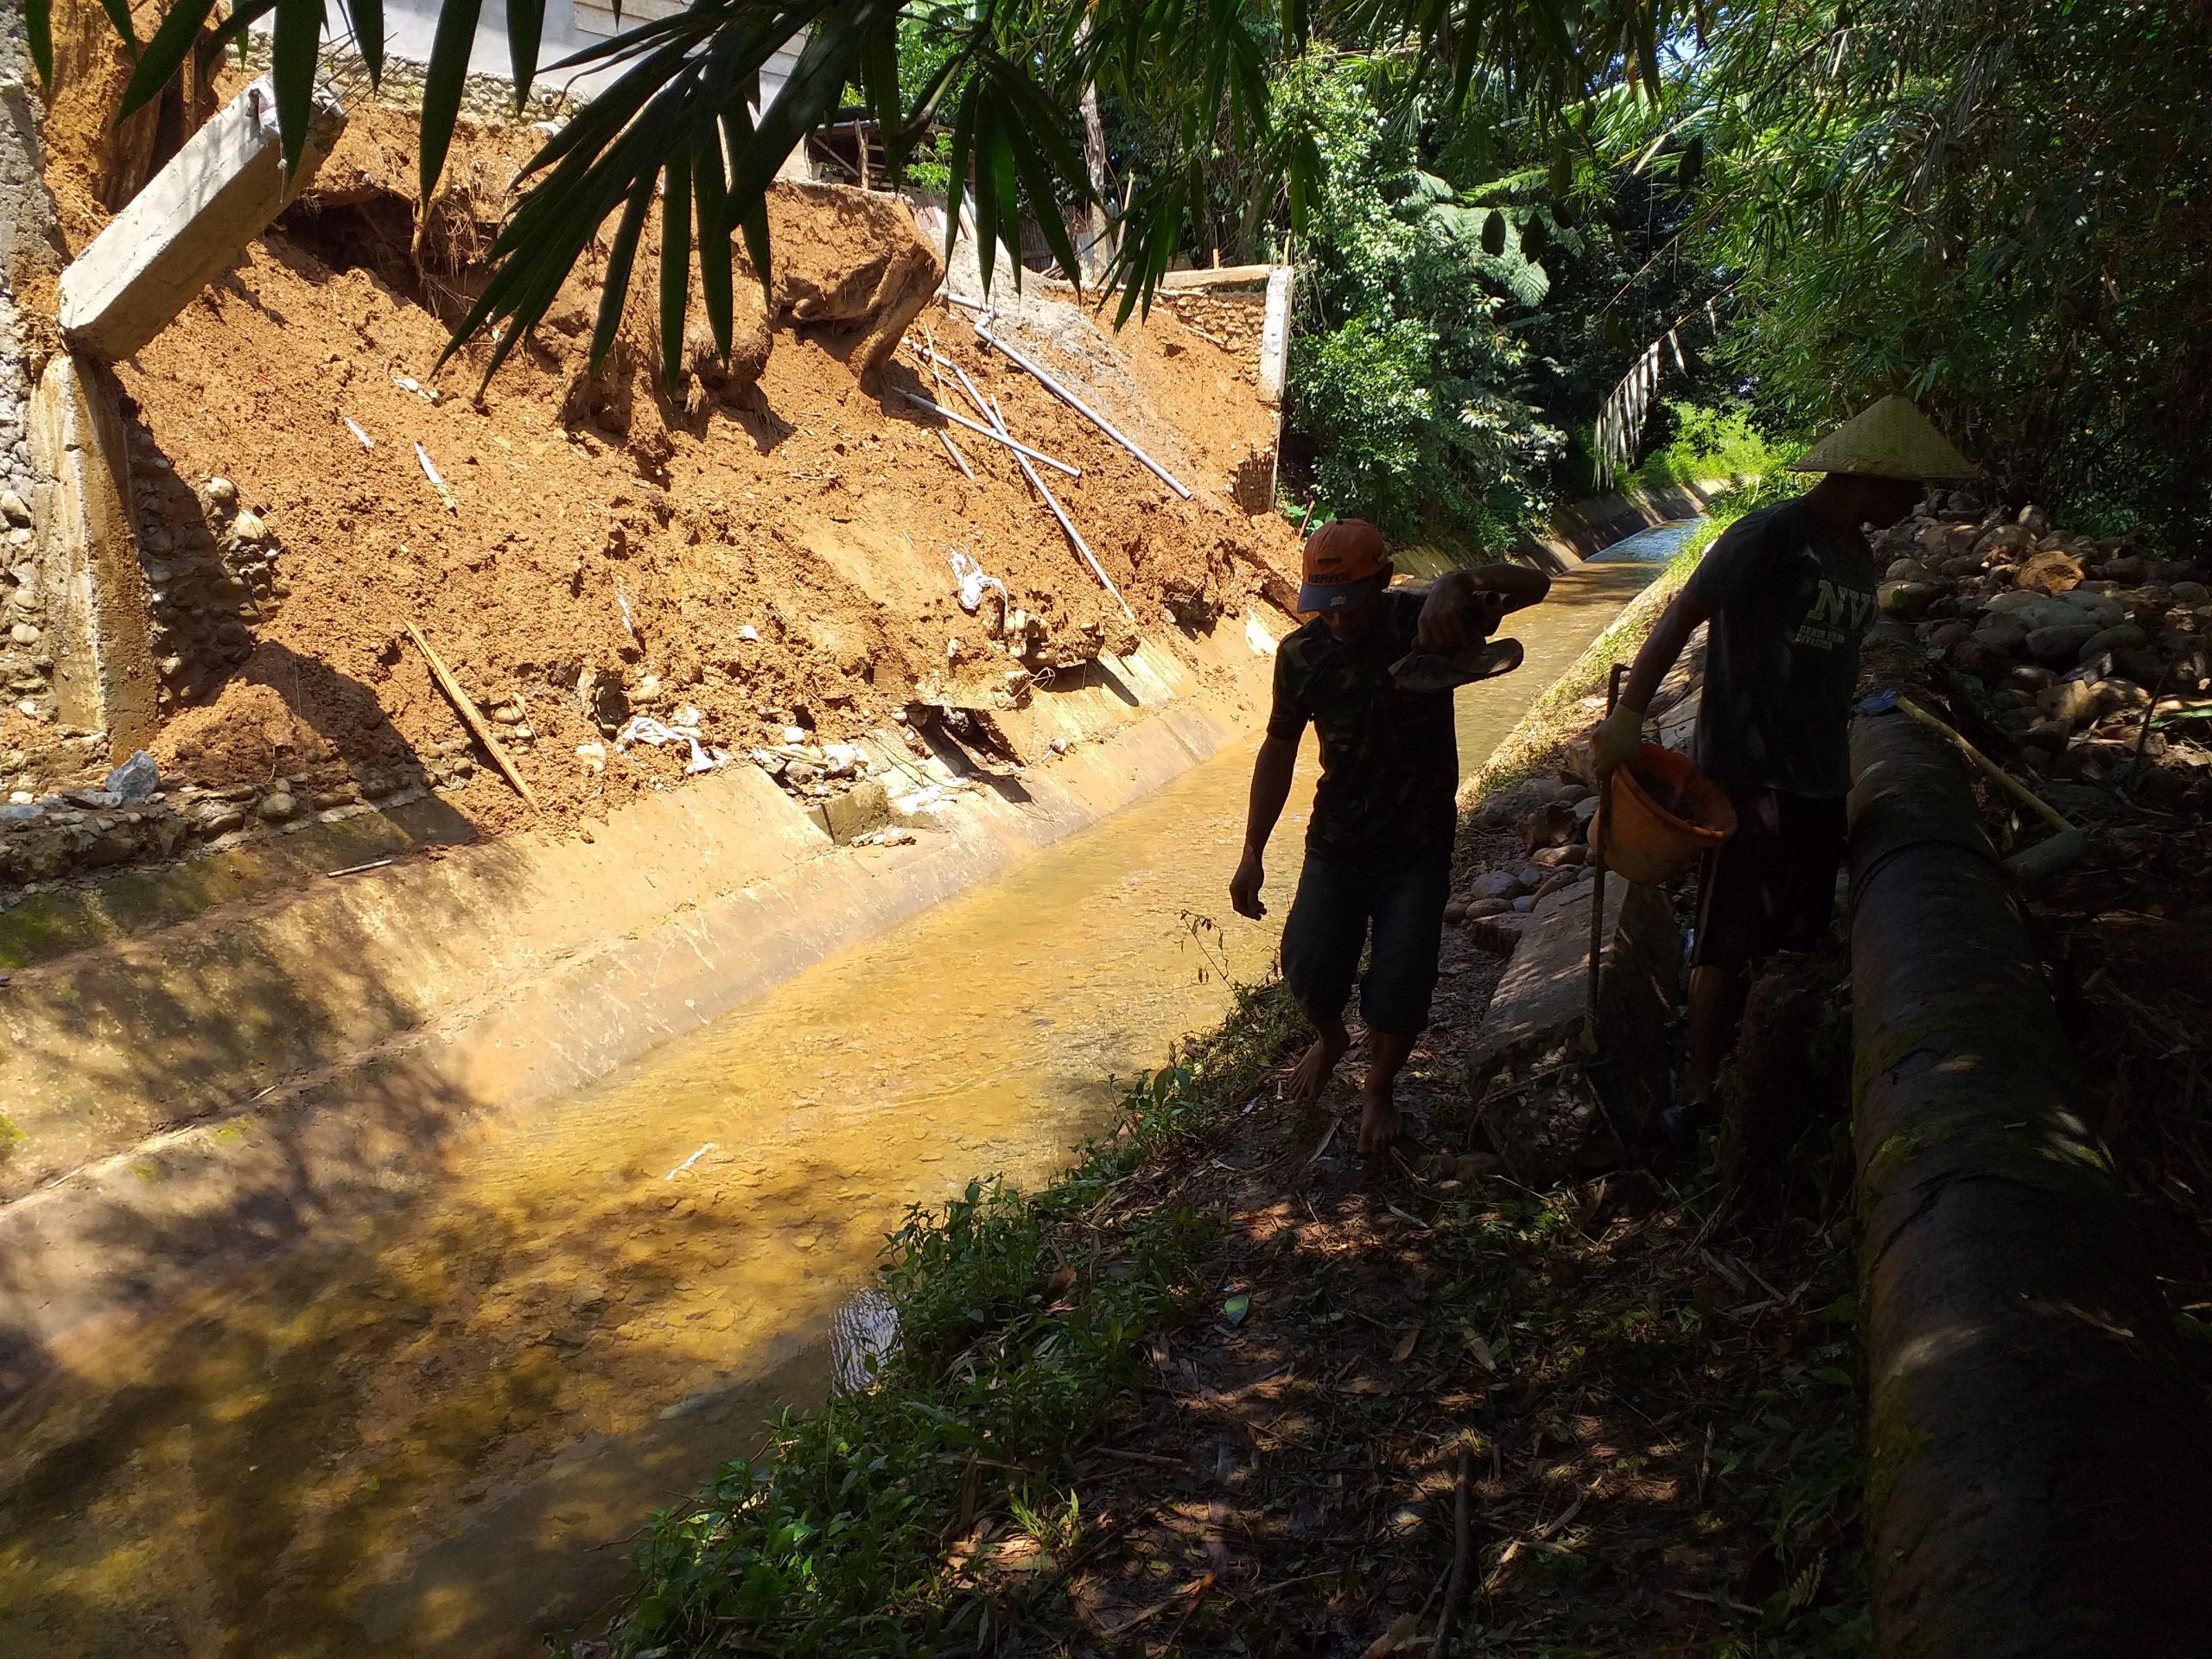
(1788, 592)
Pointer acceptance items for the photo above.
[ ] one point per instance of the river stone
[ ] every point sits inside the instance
(2035, 521)
(2016, 601)
(220, 493)
(1985, 663)
(1942, 633)
(2005, 542)
(276, 807)
(134, 779)
(1908, 571)
(12, 508)
(2002, 634)
(2031, 677)
(2058, 644)
(1494, 884)
(2112, 638)
(2192, 594)
(2068, 700)
(2049, 573)
(1907, 598)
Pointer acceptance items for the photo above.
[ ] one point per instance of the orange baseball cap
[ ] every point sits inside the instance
(1345, 561)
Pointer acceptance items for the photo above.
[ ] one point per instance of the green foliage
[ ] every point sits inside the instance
(1983, 205)
(1020, 1322)
(1406, 376)
(1709, 443)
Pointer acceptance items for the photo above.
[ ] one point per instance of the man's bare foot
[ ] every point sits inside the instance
(1310, 1075)
(1380, 1122)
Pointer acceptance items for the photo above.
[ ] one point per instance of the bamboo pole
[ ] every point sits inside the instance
(1082, 408)
(471, 715)
(997, 437)
(1067, 527)
(958, 460)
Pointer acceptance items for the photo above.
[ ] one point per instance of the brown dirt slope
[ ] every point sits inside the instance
(771, 551)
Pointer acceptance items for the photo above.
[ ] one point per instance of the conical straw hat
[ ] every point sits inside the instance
(1890, 440)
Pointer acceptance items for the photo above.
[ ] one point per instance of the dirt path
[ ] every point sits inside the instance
(1660, 1415)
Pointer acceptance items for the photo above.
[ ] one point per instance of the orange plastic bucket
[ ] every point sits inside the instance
(1659, 813)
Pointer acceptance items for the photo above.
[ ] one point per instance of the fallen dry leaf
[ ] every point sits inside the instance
(1480, 1349)
(1407, 1344)
(1403, 1637)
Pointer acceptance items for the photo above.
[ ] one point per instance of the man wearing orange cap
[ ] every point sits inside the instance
(1378, 846)
(1786, 595)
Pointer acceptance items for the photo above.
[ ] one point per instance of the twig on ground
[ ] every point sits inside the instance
(1463, 1549)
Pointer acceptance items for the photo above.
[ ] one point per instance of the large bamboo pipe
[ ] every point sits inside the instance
(2038, 1466)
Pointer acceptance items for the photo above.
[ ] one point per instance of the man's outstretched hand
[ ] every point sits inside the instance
(1244, 887)
(1616, 739)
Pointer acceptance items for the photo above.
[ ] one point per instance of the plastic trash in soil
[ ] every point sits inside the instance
(644, 728)
(973, 583)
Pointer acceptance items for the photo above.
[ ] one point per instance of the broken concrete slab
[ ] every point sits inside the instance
(1552, 1111)
(189, 224)
(85, 557)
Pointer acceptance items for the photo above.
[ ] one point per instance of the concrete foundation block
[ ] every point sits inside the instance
(85, 556)
(863, 807)
(1553, 1110)
(188, 225)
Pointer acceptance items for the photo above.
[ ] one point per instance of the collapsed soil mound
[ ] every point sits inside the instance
(769, 546)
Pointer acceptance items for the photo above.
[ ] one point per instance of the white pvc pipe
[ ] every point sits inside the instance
(977, 426)
(1084, 409)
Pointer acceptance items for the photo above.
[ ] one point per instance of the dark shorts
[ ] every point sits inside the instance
(1339, 902)
(1772, 885)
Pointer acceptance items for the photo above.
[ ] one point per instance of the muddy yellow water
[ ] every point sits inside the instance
(436, 1434)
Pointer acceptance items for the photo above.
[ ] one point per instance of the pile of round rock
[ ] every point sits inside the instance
(2073, 637)
(136, 816)
(1550, 817)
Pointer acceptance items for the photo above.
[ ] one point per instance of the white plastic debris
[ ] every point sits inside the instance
(687, 1162)
(445, 494)
(623, 599)
(750, 634)
(644, 728)
(407, 383)
(367, 443)
(973, 583)
(794, 734)
(593, 755)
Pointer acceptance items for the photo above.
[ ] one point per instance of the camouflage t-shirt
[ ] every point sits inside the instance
(1389, 759)
(1791, 599)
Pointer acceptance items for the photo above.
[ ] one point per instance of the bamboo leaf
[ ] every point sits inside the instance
(715, 281)
(164, 55)
(675, 266)
(368, 34)
(614, 291)
(525, 34)
(291, 67)
(441, 85)
(118, 15)
(38, 22)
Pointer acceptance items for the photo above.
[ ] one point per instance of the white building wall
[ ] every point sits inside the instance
(409, 27)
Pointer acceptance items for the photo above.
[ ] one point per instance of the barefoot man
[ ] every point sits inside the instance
(1378, 847)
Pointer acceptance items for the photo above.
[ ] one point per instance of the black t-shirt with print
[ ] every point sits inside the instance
(1389, 758)
(1791, 599)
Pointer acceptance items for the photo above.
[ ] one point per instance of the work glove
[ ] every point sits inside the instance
(1617, 739)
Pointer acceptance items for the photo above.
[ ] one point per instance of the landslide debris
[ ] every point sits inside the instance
(768, 550)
